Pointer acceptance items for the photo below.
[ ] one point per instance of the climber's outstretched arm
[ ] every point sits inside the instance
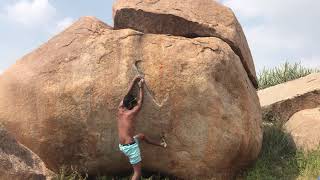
(141, 91)
(137, 78)
(137, 108)
(130, 88)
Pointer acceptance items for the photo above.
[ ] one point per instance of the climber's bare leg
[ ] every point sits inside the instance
(142, 137)
(136, 171)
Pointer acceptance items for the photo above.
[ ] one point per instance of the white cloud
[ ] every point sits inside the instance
(63, 24)
(31, 12)
(280, 30)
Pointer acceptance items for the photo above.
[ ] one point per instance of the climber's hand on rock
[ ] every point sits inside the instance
(141, 82)
(138, 77)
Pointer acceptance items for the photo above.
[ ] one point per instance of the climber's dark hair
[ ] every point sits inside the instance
(129, 101)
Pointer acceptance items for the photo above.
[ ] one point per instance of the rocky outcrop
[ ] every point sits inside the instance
(61, 101)
(18, 162)
(188, 18)
(280, 102)
(304, 127)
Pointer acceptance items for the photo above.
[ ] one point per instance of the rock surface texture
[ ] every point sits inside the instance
(304, 127)
(17, 162)
(188, 18)
(61, 101)
(283, 100)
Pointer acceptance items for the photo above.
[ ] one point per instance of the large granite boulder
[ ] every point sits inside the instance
(304, 127)
(19, 163)
(280, 102)
(61, 101)
(188, 18)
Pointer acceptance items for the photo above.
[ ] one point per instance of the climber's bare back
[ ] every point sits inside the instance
(126, 128)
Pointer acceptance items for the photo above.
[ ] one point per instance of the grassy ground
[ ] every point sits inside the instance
(278, 159)
(76, 176)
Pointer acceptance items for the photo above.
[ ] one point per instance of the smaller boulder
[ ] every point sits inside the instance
(280, 102)
(18, 162)
(304, 127)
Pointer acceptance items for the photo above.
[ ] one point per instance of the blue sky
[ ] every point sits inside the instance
(276, 30)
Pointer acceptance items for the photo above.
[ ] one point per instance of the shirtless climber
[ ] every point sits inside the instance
(129, 144)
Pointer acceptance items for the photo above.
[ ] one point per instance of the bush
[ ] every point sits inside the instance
(283, 73)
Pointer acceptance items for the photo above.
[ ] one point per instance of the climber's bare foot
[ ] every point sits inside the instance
(163, 143)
